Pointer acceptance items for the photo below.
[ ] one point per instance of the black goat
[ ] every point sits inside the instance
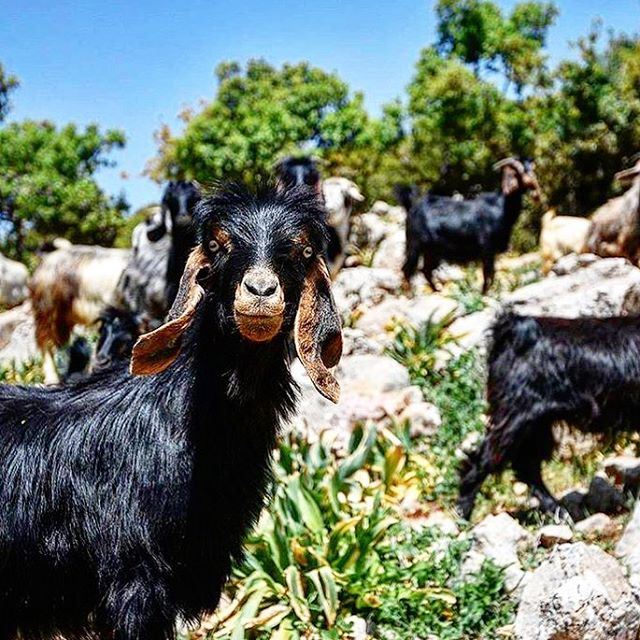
(582, 371)
(118, 332)
(178, 203)
(440, 228)
(293, 172)
(79, 359)
(124, 498)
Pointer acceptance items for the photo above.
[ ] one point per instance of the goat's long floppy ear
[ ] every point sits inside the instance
(318, 331)
(157, 350)
(354, 193)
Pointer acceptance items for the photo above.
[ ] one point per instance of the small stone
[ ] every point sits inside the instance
(598, 525)
(553, 534)
(623, 470)
(574, 502)
(603, 497)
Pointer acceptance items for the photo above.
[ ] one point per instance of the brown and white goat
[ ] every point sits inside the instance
(616, 224)
(71, 286)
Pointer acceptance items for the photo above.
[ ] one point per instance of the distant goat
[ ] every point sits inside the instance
(71, 286)
(79, 360)
(339, 195)
(291, 172)
(124, 498)
(178, 203)
(117, 334)
(616, 225)
(142, 288)
(582, 371)
(441, 228)
(560, 236)
(118, 331)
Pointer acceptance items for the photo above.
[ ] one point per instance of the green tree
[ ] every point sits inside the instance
(8, 83)
(47, 185)
(590, 125)
(477, 33)
(459, 125)
(260, 113)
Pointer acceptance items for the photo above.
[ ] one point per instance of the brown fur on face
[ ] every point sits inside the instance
(259, 318)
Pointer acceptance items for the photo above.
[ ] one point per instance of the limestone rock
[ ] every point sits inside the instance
(578, 593)
(598, 525)
(628, 547)
(379, 319)
(499, 538)
(364, 287)
(553, 534)
(605, 288)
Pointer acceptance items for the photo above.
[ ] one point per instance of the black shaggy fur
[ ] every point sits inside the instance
(119, 330)
(178, 204)
(123, 499)
(440, 228)
(583, 371)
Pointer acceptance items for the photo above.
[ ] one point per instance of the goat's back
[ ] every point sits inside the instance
(582, 370)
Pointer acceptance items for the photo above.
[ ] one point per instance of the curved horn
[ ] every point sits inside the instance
(516, 164)
(628, 174)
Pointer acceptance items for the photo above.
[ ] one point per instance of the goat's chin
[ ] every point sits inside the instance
(258, 328)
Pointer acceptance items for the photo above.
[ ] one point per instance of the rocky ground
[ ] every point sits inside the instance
(406, 355)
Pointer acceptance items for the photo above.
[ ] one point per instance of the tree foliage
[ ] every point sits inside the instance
(47, 185)
(260, 113)
(8, 83)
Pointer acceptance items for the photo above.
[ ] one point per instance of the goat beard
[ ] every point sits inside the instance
(257, 328)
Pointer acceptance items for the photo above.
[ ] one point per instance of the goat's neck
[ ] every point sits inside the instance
(512, 207)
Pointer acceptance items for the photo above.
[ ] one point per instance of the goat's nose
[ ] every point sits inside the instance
(261, 284)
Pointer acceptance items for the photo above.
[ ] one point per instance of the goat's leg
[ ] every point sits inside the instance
(138, 610)
(527, 466)
(49, 367)
(488, 273)
(429, 264)
(473, 472)
(410, 265)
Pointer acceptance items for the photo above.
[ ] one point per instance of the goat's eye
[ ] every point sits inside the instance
(214, 246)
(307, 252)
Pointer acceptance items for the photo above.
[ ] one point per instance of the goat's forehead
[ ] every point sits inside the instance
(264, 223)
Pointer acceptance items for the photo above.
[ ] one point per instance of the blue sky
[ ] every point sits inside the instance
(135, 65)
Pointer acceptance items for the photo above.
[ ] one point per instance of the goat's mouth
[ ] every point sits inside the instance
(258, 327)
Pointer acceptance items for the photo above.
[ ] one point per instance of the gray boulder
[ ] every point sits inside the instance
(578, 593)
(373, 388)
(604, 288)
(499, 538)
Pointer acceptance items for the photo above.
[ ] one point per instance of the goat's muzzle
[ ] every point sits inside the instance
(259, 305)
